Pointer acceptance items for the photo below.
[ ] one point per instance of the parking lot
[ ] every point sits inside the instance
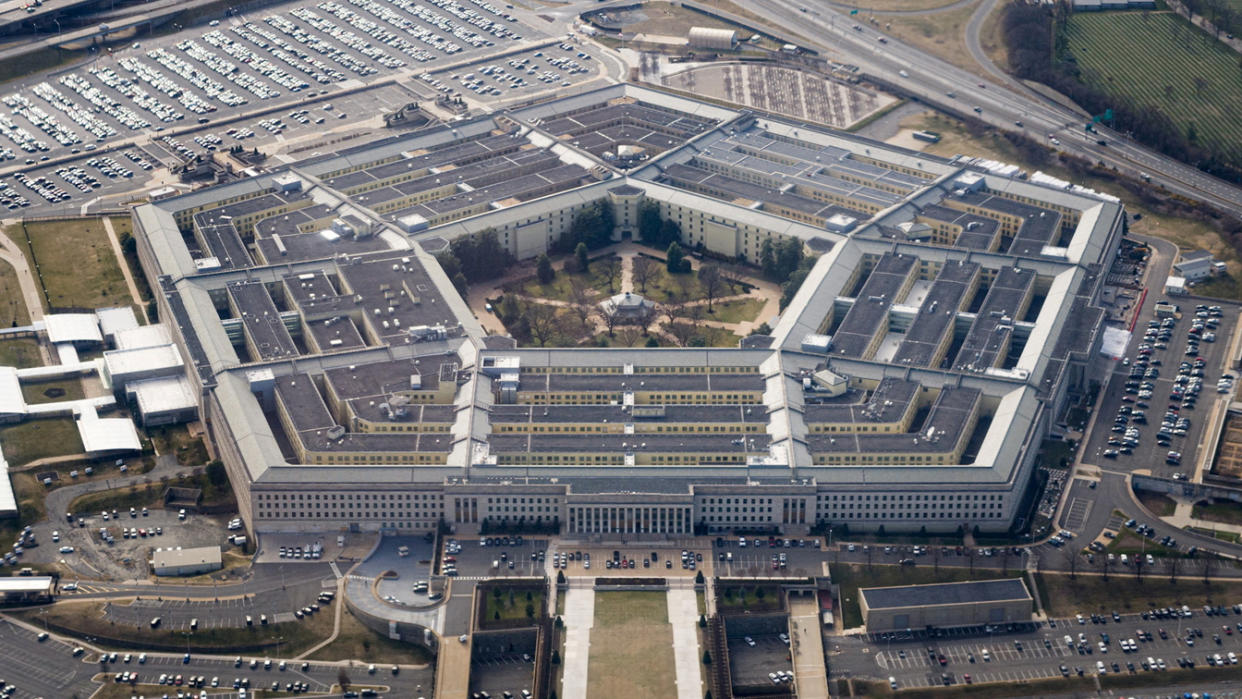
(754, 658)
(277, 605)
(121, 556)
(1042, 651)
(42, 669)
(1154, 414)
(553, 66)
(503, 661)
(225, 69)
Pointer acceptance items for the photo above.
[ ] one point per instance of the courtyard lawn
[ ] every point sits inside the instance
(631, 646)
(89, 278)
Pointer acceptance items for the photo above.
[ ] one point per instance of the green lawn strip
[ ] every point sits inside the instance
(631, 646)
(1223, 512)
(37, 439)
(22, 353)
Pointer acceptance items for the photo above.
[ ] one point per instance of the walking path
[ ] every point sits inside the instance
(579, 618)
(683, 614)
(10, 253)
(807, 646)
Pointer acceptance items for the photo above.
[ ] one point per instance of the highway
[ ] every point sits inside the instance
(931, 80)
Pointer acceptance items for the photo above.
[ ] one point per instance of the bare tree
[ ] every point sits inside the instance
(712, 282)
(581, 302)
(1105, 564)
(610, 317)
(1172, 562)
(1071, 557)
(612, 272)
(734, 279)
(1138, 568)
(970, 558)
(936, 559)
(629, 335)
(1207, 564)
(1004, 560)
(541, 319)
(1201, 84)
(644, 268)
(681, 331)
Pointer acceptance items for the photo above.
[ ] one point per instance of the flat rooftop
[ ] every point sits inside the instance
(870, 310)
(262, 320)
(970, 592)
(937, 314)
(990, 333)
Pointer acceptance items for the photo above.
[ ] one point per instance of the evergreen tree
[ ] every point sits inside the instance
(543, 269)
(584, 259)
(675, 257)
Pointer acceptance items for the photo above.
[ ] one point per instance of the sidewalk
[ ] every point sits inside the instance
(807, 646)
(579, 618)
(1183, 516)
(683, 615)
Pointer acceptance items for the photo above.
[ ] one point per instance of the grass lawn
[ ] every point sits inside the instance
(1128, 541)
(559, 288)
(22, 352)
(88, 619)
(1093, 594)
(506, 607)
(631, 646)
(709, 336)
(1224, 512)
(736, 311)
(663, 287)
(941, 33)
(12, 304)
(1053, 451)
(35, 392)
(852, 577)
(36, 439)
(89, 278)
(1181, 70)
(748, 598)
(357, 642)
(1223, 536)
(190, 451)
(1159, 505)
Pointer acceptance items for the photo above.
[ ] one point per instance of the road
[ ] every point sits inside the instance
(931, 80)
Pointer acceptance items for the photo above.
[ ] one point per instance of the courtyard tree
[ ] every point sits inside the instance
(582, 255)
(541, 322)
(642, 270)
(712, 283)
(609, 316)
(612, 272)
(543, 269)
(675, 258)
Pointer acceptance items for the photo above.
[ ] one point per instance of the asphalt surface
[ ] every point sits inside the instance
(1043, 650)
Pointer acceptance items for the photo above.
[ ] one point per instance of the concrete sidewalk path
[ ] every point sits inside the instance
(579, 618)
(683, 614)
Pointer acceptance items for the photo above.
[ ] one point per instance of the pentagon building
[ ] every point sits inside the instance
(346, 384)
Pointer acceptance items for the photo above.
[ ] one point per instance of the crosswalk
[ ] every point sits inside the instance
(335, 570)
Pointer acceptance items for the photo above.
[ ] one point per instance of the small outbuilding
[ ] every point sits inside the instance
(942, 605)
(712, 38)
(179, 561)
(26, 589)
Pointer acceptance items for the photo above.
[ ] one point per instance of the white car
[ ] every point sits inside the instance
(66, 549)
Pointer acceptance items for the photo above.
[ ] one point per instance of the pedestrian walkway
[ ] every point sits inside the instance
(807, 646)
(683, 614)
(579, 618)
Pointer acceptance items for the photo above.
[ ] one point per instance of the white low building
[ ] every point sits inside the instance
(192, 561)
